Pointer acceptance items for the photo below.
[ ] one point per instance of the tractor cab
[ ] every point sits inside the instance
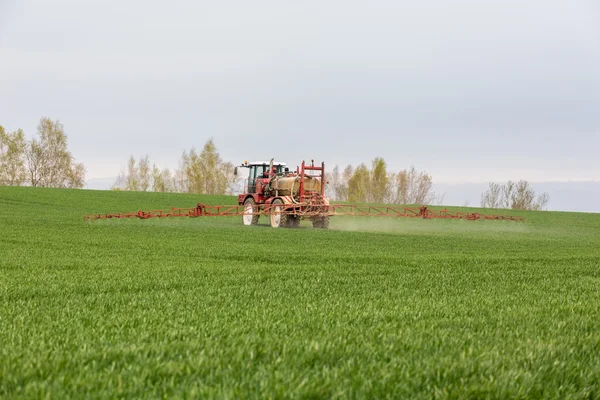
(260, 170)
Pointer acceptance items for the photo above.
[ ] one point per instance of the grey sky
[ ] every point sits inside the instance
(470, 91)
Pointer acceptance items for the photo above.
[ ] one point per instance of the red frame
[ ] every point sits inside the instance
(203, 210)
(303, 174)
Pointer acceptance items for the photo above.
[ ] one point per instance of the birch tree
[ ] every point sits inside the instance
(48, 161)
(12, 158)
(379, 181)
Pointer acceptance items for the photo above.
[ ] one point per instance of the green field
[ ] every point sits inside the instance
(371, 308)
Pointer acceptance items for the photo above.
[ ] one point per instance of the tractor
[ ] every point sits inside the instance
(286, 197)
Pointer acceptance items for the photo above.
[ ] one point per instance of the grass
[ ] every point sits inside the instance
(371, 308)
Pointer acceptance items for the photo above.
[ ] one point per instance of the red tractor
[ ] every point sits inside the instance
(286, 197)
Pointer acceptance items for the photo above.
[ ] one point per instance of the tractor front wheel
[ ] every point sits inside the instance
(278, 216)
(293, 221)
(250, 216)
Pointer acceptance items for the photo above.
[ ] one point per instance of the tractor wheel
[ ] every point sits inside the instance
(321, 223)
(278, 219)
(293, 221)
(250, 216)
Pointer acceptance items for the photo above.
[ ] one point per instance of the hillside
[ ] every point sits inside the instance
(207, 307)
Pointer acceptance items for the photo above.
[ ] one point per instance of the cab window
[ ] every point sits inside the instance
(256, 171)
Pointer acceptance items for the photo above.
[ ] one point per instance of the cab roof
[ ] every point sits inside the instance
(266, 163)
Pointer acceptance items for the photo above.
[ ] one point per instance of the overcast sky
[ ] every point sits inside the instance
(469, 90)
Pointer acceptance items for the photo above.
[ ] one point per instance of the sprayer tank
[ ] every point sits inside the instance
(288, 186)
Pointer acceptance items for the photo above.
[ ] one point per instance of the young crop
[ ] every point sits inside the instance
(371, 308)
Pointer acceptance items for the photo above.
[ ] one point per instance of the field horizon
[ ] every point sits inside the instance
(371, 308)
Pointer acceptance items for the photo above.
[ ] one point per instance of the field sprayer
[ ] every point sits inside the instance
(286, 197)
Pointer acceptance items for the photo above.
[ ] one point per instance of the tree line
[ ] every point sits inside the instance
(376, 185)
(411, 186)
(44, 161)
(202, 172)
(206, 173)
(518, 196)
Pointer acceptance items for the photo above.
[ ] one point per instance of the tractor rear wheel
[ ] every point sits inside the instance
(278, 218)
(321, 223)
(250, 216)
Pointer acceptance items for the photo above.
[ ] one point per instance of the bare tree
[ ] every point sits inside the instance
(542, 201)
(131, 177)
(181, 184)
(518, 196)
(119, 182)
(341, 189)
(507, 193)
(35, 159)
(169, 180)
(229, 178)
(525, 198)
(492, 198)
(333, 180)
(144, 176)
(413, 187)
(12, 158)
